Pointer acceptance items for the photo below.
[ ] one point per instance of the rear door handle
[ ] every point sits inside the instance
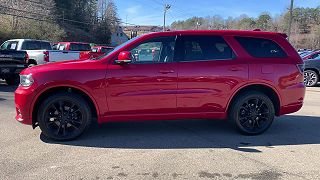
(166, 71)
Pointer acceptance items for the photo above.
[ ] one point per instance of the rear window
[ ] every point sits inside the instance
(80, 47)
(261, 48)
(36, 45)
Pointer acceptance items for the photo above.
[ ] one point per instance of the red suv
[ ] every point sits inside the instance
(248, 77)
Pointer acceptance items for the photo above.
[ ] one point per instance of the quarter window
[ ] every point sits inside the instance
(159, 50)
(261, 48)
(198, 48)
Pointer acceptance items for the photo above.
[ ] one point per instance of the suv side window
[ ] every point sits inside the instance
(261, 48)
(158, 50)
(202, 48)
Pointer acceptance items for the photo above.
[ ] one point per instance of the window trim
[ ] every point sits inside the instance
(181, 40)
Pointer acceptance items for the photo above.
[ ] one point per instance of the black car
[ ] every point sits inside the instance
(312, 72)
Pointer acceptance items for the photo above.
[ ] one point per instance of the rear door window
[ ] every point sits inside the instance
(204, 48)
(80, 47)
(261, 48)
(46, 46)
(31, 45)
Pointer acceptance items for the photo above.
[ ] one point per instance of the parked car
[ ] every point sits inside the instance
(83, 48)
(312, 72)
(100, 50)
(312, 55)
(248, 77)
(11, 64)
(39, 51)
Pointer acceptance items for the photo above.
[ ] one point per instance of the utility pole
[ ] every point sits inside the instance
(198, 25)
(166, 8)
(290, 19)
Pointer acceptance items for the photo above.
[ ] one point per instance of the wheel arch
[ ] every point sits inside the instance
(266, 89)
(313, 69)
(49, 91)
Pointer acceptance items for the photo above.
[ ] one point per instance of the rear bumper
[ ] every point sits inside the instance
(292, 99)
(290, 109)
(23, 102)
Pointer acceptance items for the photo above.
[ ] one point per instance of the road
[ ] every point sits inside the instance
(195, 149)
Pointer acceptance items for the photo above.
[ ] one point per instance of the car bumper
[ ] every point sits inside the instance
(23, 101)
(294, 97)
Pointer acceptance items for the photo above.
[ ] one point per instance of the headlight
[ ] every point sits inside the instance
(26, 80)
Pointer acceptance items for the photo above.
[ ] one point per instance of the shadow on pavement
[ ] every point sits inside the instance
(286, 130)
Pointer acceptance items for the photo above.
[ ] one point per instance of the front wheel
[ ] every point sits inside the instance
(252, 113)
(64, 116)
(311, 78)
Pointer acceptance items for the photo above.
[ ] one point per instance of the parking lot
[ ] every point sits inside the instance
(195, 149)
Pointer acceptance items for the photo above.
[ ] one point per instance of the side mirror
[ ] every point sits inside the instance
(124, 58)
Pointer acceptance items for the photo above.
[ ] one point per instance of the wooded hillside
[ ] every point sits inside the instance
(305, 27)
(58, 20)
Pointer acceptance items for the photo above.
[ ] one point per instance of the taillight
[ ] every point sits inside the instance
(46, 56)
(26, 58)
(300, 67)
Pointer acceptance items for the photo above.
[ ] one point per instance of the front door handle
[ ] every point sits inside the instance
(166, 71)
(236, 69)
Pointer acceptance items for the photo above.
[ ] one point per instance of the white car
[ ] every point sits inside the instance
(39, 51)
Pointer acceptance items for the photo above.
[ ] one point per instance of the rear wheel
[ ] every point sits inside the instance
(311, 78)
(64, 116)
(252, 113)
(15, 80)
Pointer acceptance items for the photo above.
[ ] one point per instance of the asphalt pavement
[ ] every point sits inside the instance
(190, 149)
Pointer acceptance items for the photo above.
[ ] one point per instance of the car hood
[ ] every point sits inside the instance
(63, 65)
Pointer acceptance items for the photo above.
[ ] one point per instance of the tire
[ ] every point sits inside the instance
(252, 113)
(311, 78)
(15, 80)
(64, 116)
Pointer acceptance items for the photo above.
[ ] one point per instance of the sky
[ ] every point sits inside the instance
(150, 12)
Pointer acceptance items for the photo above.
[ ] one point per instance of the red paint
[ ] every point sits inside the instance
(176, 90)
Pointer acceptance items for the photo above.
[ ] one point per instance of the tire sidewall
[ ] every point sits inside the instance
(234, 114)
(68, 97)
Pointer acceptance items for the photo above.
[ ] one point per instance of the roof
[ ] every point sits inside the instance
(28, 40)
(72, 43)
(218, 32)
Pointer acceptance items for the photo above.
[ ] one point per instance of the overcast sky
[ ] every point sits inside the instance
(150, 12)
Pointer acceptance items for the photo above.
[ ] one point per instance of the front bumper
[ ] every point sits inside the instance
(23, 100)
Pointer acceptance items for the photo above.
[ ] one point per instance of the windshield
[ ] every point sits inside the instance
(117, 48)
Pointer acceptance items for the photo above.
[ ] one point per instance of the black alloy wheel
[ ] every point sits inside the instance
(64, 116)
(253, 113)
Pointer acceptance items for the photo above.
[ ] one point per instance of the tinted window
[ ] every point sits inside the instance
(33, 45)
(46, 45)
(261, 48)
(205, 48)
(80, 47)
(9, 45)
(316, 56)
(158, 50)
(106, 50)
